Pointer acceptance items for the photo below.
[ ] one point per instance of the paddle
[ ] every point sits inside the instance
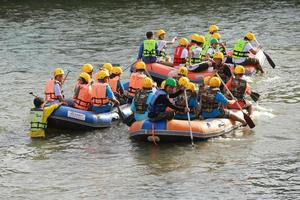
(121, 114)
(271, 62)
(128, 66)
(189, 119)
(246, 117)
(33, 95)
(254, 96)
(65, 78)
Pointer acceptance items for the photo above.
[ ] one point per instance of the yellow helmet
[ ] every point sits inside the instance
(58, 71)
(183, 42)
(85, 76)
(214, 82)
(191, 86)
(250, 36)
(200, 38)
(239, 69)
(219, 55)
(160, 32)
(117, 70)
(213, 28)
(206, 80)
(140, 65)
(182, 71)
(216, 36)
(163, 84)
(147, 83)
(183, 81)
(102, 74)
(194, 36)
(107, 66)
(87, 68)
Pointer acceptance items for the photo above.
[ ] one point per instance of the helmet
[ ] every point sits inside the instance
(219, 55)
(140, 65)
(191, 86)
(182, 71)
(117, 70)
(214, 41)
(183, 81)
(239, 69)
(107, 66)
(87, 68)
(147, 83)
(171, 82)
(85, 76)
(250, 36)
(194, 36)
(160, 32)
(216, 36)
(213, 28)
(162, 85)
(206, 80)
(183, 42)
(102, 74)
(214, 82)
(58, 71)
(200, 38)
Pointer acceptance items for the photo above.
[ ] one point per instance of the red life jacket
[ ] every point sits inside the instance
(177, 56)
(99, 97)
(83, 100)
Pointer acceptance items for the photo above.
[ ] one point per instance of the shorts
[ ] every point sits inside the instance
(250, 61)
(224, 113)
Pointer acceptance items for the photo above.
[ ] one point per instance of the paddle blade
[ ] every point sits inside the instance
(254, 96)
(249, 120)
(271, 62)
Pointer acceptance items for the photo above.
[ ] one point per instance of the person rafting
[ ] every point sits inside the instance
(181, 53)
(148, 49)
(53, 88)
(242, 48)
(181, 72)
(212, 100)
(136, 79)
(102, 95)
(141, 100)
(88, 68)
(160, 101)
(83, 92)
(208, 36)
(108, 67)
(39, 116)
(162, 45)
(221, 68)
(239, 88)
(116, 84)
(196, 49)
(213, 48)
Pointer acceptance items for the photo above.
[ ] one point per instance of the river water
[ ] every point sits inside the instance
(37, 36)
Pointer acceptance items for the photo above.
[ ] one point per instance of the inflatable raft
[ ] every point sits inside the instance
(71, 118)
(160, 72)
(178, 130)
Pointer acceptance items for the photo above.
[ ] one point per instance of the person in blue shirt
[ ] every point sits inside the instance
(212, 100)
(148, 49)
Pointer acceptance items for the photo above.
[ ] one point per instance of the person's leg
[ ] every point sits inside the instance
(248, 107)
(227, 114)
(254, 62)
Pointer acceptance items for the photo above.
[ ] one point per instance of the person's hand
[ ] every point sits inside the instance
(186, 109)
(116, 102)
(64, 103)
(231, 102)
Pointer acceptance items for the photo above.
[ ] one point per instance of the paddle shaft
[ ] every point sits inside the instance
(65, 78)
(189, 118)
(271, 62)
(128, 66)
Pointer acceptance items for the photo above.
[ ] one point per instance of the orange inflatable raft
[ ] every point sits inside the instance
(178, 130)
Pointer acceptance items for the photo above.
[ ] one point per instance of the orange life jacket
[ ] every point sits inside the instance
(49, 90)
(84, 97)
(113, 82)
(135, 83)
(99, 97)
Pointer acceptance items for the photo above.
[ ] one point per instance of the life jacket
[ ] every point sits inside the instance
(208, 102)
(238, 88)
(157, 108)
(221, 71)
(149, 48)
(49, 90)
(180, 101)
(195, 58)
(206, 44)
(99, 97)
(113, 83)
(177, 56)
(36, 116)
(222, 49)
(162, 52)
(135, 83)
(238, 49)
(83, 100)
(140, 100)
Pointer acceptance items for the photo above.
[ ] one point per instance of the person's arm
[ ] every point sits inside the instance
(111, 96)
(248, 89)
(120, 87)
(57, 93)
(172, 41)
(220, 98)
(227, 71)
(175, 94)
(170, 105)
(250, 48)
(156, 49)
(141, 49)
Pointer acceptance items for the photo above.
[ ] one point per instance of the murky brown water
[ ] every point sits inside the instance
(37, 36)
